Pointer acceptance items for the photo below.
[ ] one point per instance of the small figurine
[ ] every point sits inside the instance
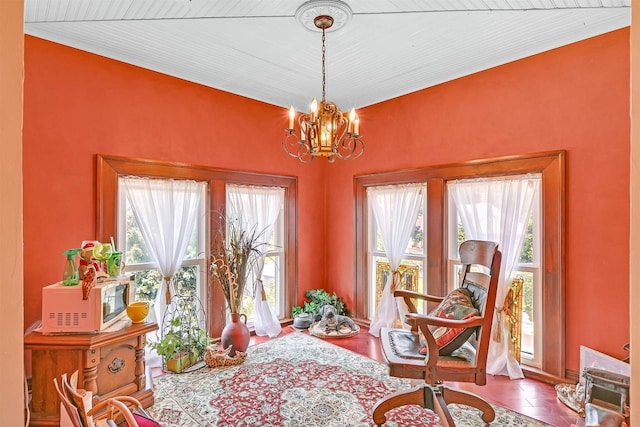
(331, 320)
(88, 281)
(86, 259)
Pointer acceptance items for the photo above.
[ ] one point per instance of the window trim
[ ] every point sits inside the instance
(552, 167)
(373, 252)
(110, 167)
(200, 260)
(534, 268)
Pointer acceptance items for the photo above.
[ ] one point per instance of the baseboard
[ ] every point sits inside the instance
(540, 375)
(572, 376)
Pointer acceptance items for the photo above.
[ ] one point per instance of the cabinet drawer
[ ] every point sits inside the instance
(117, 366)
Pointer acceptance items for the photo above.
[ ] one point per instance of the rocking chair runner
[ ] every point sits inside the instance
(405, 354)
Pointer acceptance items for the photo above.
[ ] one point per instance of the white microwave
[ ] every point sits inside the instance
(64, 310)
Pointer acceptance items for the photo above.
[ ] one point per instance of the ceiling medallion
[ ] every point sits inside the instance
(339, 11)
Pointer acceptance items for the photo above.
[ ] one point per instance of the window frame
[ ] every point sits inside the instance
(199, 261)
(275, 251)
(109, 168)
(535, 268)
(551, 165)
(373, 252)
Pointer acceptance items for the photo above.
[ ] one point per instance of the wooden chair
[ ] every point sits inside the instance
(80, 415)
(401, 347)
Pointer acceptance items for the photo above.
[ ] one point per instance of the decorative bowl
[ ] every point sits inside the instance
(137, 311)
(302, 321)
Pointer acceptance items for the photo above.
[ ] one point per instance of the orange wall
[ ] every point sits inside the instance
(575, 98)
(11, 294)
(77, 105)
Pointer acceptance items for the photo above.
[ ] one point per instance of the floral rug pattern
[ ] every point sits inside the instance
(297, 380)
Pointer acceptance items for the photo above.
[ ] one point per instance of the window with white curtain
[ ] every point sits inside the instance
(540, 263)
(527, 268)
(190, 276)
(412, 265)
(262, 208)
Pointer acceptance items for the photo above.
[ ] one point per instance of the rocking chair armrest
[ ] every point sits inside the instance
(409, 295)
(424, 320)
(420, 321)
(118, 404)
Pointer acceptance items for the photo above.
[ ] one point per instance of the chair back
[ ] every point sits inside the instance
(480, 272)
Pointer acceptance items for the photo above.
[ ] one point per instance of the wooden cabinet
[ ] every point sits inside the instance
(108, 364)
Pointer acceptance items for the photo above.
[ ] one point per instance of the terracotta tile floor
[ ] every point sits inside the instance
(526, 396)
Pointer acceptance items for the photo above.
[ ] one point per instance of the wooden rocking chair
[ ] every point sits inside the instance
(405, 351)
(73, 401)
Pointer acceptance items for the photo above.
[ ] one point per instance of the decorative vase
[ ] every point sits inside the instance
(236, 334)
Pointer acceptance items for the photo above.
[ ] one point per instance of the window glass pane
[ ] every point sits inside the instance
(271, 279)
(416, 241)
(379, 244)
(461, 234)
(147, 284)
(381, 271)
(136, 251)
(270, 283)
(148, 281)
(192, 248)
(526, 256)
(412, 272)
(136, 248)
(527, 346)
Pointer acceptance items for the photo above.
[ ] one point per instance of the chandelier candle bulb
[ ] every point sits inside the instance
(357, 126)
(314, 108)
(352, 117)
(292, 114)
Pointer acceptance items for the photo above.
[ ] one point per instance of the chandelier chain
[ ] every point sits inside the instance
(323, 66)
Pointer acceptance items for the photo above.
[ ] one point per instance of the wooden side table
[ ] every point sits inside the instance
(108, 364)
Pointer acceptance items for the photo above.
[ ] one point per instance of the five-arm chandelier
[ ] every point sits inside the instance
(325, 131)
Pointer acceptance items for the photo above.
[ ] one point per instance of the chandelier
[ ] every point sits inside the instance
(325, 131)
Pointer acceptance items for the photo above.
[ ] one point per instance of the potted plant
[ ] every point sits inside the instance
(309, 312)
(181, 345)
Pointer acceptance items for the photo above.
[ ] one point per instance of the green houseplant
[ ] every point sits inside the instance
(181, 345)
(316, 298)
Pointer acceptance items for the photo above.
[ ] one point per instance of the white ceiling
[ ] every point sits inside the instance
(257, 48)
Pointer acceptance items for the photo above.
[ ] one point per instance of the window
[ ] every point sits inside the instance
(527, 268)
(191, 276)
(546, 290)
(413, 258)
(261, 208)
(111, 168)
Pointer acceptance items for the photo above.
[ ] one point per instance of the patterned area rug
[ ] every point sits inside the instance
(297, 380)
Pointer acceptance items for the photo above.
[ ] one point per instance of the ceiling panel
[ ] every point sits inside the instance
(258, 49)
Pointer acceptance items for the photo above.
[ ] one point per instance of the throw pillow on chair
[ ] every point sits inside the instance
(457, 305)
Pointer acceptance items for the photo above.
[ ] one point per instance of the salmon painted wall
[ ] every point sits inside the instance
(574, 98)
(77, 105)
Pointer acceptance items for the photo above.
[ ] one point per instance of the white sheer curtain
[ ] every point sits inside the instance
(166, 211)
(258, 208)
(498, 210)
(395, 209)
